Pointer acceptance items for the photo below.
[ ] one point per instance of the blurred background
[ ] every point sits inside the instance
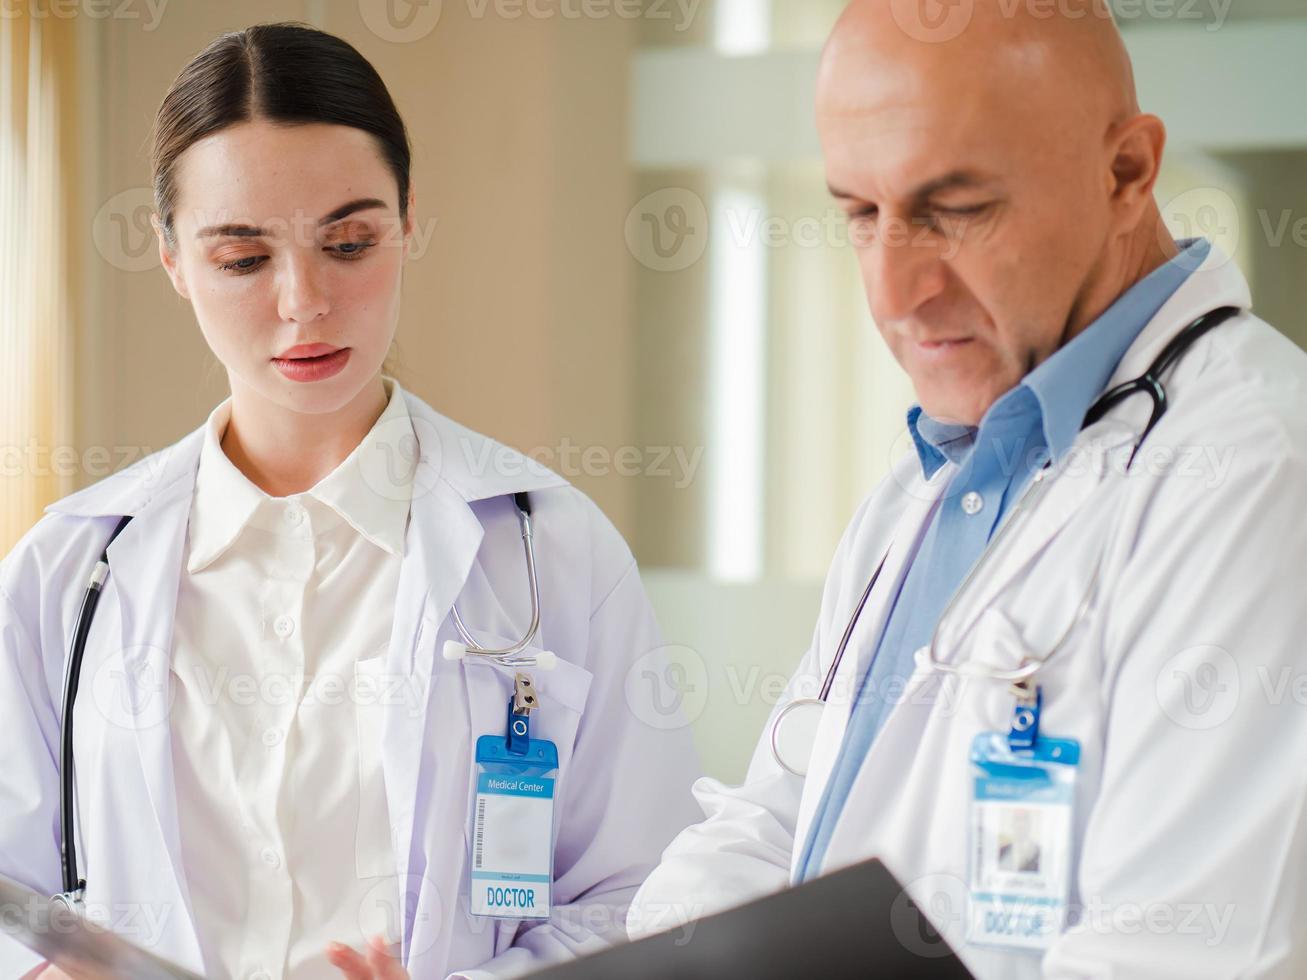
(627, 265)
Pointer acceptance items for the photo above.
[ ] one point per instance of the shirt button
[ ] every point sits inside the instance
(972, 503)
(270, 857)
(271, 736)
(284, 626)
(261, 975)
(294, 514)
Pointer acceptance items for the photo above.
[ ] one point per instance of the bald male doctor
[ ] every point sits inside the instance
(998, 180)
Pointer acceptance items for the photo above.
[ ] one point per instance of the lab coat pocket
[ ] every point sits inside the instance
(369, 714)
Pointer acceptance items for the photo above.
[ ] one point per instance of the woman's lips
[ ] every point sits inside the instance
(313, 368)
(307, 350)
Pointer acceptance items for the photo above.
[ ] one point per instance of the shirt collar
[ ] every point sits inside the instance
(1066, 384)
(371, 489)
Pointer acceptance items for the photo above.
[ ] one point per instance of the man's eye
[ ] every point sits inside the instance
(966, 212)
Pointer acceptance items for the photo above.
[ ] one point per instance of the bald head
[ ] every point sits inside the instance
(1066, 54)
(995, 163)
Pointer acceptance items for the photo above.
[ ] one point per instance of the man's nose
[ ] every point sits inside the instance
(901, 274)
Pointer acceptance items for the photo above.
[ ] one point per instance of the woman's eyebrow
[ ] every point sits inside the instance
(249, 231)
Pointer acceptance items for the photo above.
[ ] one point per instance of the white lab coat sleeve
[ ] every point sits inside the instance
(628, 793)
(743, 848)
(29, 778)
(1194, 860)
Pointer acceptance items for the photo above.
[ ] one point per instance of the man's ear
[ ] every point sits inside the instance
(1135, 148)
(168, 259)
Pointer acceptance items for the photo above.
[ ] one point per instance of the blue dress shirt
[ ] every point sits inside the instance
(1036, 421)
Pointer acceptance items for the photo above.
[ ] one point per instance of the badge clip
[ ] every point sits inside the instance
(520, 706)
(1025, 716)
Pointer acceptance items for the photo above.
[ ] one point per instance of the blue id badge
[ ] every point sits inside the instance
(513, 824)
(1022, 797)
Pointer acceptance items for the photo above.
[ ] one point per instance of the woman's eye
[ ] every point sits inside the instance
(352, 250)
(242, 266)
(348, 251)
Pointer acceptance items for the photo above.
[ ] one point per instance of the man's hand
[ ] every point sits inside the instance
(379, 964)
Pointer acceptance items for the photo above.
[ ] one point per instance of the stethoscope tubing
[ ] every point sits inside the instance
(1149, 383)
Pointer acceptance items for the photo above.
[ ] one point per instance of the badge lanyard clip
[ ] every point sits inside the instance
(520, 706)
(1025, 716)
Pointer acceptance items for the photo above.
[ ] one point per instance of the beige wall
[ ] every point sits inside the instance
(516, 319)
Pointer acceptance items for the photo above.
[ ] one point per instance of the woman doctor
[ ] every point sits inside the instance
(276, 767)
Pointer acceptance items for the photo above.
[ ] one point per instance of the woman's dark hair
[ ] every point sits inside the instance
(286, 73)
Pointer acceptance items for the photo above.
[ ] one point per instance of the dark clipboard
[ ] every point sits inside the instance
(855, 923)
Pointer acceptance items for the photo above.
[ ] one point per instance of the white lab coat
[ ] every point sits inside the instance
(623, 789)
(1191, 810)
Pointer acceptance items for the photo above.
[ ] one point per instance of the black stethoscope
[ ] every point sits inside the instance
(74, 888)
(794, 729)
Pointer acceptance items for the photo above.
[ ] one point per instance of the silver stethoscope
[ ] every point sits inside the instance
(74, 887)
(794, 729)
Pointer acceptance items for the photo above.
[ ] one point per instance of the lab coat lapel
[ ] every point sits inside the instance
(1093, 458)
(441, 545)
(148, 552)
(1102, 449)
(896, 546)
(455, 468)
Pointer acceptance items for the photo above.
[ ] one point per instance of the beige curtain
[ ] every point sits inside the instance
(37, 277)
